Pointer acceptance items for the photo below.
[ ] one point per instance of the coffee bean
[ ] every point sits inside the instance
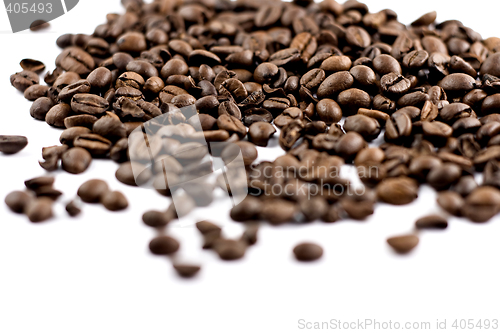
(369, 128)
(259, 133)
(397, 191)
(385, 64)
(186, 271)
(246, 210)
(81, 120)
(12, 144)
(431, 222)
(114, 201)
(17, 201)
(154, 218)
(451, 202)
(23, 80)
(76, 160)
(89, 104)
(73, 209)
(278, 211)
(93, 190)
(162, 245)
(246, 149)
(32, 65)
(74, 59)
(403, 244)
(38, 25)
(482, 204)
(307, 252)
(133, 174)
(250, 234)
(335, 83)
(229, 249)
(35, 91)
(41, 107)
(57, 114)
(352, 99)
(95, 144)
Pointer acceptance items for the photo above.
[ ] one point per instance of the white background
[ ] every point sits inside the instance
(95, 274)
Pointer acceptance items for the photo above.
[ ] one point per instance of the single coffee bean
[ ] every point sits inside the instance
(186, 271)
(259, 133)
(163, 245)
(82, 120)
(39, 210)
(246, 149)
(229, 249)
(246, 210)
(35, 183)
(36, 91)
(32, 65)
(155, 219)
(89, 104)
(79, 87)
(307, 252)
(482, 204)
(17, 201)
(334, 84)
(57, 114)
(73, 208)
(95, 144)
(403, 244)
(38, 25)
(12, 144)
(93, 190)
(74, 59)
(23, 80)
(76, 160)
(278, 211)
(133, 42)
(451, 202)
(133, 174)
(431, 222)
(114, 201)
(41, 107)
(369, 128)
(397, 191)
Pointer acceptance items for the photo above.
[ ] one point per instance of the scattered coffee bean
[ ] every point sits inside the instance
(431, 222)
(186, 271)
(163, 245)
(114, 201)
(12, 144)
(308, 252)
(92, 191)
(403, 244)
(17, 201)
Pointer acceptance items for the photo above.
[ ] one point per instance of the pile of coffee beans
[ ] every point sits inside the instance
(254, 69)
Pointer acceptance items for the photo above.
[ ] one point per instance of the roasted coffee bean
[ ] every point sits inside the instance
(156, 219)
(431, 222)
(89, 104)
(74, 59)
(229, 108)
(451, 202)
(114, 201)
(393, 84)
(349, 145)
(278, 211)
(73, 209)
(403, 244)
(32, 65)
(12, 144)
(79, 87)
(369, 128)
(290, 134)
(39, 210)
(352, 99)
(38, 25)
(93, 190)
(143, 68)
(385, 64)
(443, 176)
(457, 83)
(259, 133)
(76, 160)
(186, 271)
(57, 114)
(357, 210)
(329, 111)
(307, 252)
(81, 120)
(232, 125)
(35, 183)
(229, 249)
(23, 80)
(482, 204)
(397, 191)
(162, 245)
(35, 91)
(334, 84)
(93, 143)
(41, 107)
(132, 42)
(17, 201)
(248, 209)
